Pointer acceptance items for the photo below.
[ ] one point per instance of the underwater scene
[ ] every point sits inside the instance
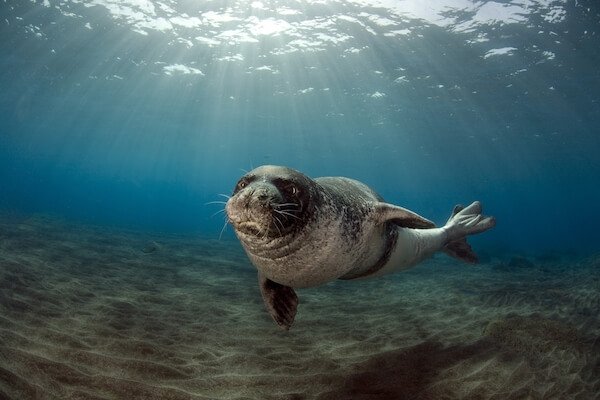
(225, 199)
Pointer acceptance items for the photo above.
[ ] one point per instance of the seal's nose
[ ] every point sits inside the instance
(263, 199)
(255, 197)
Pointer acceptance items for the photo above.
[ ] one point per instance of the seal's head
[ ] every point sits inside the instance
(270, 202)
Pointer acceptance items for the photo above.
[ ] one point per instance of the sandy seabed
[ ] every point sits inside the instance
(91, 313)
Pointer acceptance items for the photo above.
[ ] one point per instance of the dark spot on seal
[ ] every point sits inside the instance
(353, 223)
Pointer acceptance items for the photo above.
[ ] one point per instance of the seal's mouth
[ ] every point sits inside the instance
(250, 227)
(268, 220)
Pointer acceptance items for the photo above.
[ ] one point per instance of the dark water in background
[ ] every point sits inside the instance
(137, 113)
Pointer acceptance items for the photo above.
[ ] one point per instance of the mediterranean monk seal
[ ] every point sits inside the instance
(301, 232)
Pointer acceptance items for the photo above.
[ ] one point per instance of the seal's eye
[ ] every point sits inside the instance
(242, 184)
(292, 189)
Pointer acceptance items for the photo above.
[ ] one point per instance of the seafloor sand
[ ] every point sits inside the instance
(87, 313)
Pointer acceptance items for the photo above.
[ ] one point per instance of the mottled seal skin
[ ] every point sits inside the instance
(302, 232)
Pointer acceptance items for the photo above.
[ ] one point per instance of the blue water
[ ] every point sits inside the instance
(137, 113)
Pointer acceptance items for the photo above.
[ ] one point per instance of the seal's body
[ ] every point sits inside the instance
(301, 232)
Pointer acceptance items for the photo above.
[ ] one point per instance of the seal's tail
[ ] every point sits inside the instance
(465, 221)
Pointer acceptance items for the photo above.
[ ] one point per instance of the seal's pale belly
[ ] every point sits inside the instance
(322, 258)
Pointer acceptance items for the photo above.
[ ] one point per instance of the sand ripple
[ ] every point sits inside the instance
(89, 313)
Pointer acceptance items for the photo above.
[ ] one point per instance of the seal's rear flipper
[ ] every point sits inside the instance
(464, 222)
(462, 250)
(280, 300)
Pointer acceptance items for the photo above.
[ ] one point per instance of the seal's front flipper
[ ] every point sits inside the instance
(401, 216)
(280, 300)
(464, 222)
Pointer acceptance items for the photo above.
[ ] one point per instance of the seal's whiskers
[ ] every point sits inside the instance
(215, 202)
(284, 204)
(285, 212)
(218, 212)
(275, 221)
(223, 229)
